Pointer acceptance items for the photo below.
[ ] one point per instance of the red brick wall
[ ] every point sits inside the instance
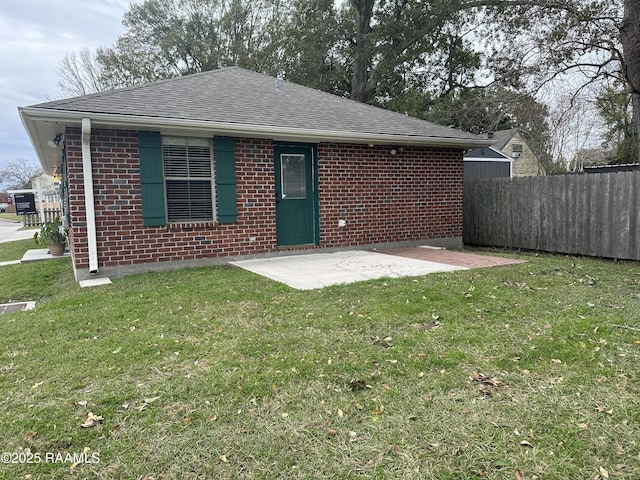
(413, 195)
(121, 237)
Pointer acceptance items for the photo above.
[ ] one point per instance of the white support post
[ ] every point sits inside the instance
(41, 202)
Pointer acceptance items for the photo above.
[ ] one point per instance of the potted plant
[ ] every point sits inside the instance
(54, 235)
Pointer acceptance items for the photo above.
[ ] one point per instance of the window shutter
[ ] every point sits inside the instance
(226, 180)
(151, 179)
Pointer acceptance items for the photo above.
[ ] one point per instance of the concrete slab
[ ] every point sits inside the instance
(10, 262)
(16, 307)
(317, 270)
(40, 254)
(94, 282)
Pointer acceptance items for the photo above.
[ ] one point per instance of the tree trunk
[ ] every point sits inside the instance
(361, 56)
(630, 39)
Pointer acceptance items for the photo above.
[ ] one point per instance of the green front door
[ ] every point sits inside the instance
(296, 212)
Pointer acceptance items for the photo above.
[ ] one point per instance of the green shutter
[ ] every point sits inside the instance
(226, 180)
(151, 179)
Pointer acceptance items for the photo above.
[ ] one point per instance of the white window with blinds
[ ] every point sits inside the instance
(188, 175)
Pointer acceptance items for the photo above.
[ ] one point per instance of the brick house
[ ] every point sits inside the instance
(201, 169)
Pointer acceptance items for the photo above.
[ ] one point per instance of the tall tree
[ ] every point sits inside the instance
(314, 46)
(79, 73)
(621, 142)
(630, 39)
(589, 44)
(18, 174)
(168, 38)
(401, 54)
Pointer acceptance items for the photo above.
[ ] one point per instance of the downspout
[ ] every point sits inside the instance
(88, 195)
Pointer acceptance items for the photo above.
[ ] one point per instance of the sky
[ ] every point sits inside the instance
(35, 35)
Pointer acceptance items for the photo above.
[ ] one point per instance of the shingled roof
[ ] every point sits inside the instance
(234, 101)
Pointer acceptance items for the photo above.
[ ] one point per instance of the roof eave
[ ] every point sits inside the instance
(32, 115)
(30, 126)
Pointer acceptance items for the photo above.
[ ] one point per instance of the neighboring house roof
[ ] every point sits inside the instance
(235, 102)
(502, 137)
(629, 167)
(490, 154)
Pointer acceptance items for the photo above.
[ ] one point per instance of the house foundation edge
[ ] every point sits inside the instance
(120, 271)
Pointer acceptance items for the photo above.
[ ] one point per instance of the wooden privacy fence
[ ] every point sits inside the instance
(33, 220)
(585, 214)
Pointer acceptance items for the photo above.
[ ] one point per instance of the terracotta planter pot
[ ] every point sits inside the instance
(57, 249)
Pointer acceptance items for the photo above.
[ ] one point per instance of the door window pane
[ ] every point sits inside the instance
(293, 172)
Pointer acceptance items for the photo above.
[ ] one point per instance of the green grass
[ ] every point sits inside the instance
(219, 373)
(11, 216)
(16, 250)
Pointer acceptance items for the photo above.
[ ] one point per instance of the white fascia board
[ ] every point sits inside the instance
(243, 130)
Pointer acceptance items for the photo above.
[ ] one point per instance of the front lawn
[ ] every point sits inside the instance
(11, 217)
(16, 250)
(520, 372)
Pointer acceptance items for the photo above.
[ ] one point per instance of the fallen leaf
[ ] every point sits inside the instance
(519, 475)
(386, 342)
(357, 384)
(340, 413)
(331, 432)
(92, 421)
(603, 409)
(524, 443)
(604, 472)
(151, 400)
(386, 387)
(223, 458)
(492, 381)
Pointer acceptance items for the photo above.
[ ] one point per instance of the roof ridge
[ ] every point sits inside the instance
(140, 86)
